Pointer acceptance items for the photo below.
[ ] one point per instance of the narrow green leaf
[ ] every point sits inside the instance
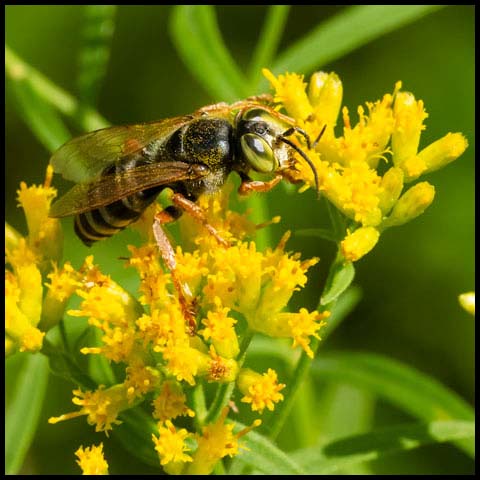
(403, 386)
(339, 279)
(268, 41)
(135, 435)
(346, 410)
(95, 51)
(342, 453)
(23, 410)
(41, 118)
(263, 455)
(18, 70)
(350, 29)
(198, 40)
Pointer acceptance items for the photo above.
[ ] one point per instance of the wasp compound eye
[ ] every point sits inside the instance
(258, 153)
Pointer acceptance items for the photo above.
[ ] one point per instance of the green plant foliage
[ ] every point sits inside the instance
(35, 94)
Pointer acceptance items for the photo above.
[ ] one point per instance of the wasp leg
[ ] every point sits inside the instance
(247, 186)
(198, 215)
(168, 256)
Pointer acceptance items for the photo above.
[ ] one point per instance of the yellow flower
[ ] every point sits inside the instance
(171, 447)
(140, 380)
(92, 461)
(392, 186)
(221, 370)
(217, 441)
(346, 166)
(357, 244)
(44, 233)
(411, 204)
(23, 306)
(101, 407)
(325, 90)
(290, 91)
(220, 328)
(443, 151)
(409, 116)
(183, 361)
(171, 402)
(261, 391)
(467, 301)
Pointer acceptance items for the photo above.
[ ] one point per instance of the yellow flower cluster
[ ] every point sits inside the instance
(231, 291)
(192, 324)
(27, 258)
(387, 131)
(92, 461)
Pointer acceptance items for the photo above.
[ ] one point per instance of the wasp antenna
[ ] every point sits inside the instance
(319, 136)
(299, 130)
(310, 163)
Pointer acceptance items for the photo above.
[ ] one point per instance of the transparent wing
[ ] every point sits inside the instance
(84, 157)
(107, 189)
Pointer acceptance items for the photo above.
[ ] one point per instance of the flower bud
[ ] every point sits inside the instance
(443, 151)
(357, 244)
(467, 301)
(409, 115)
(392, 185)
(411, 204)
(325, 92)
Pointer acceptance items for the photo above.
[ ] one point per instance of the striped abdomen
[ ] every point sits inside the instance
(108, 220)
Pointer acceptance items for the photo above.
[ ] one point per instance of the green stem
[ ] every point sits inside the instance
(225, 390)
(18, 70)
(298, 377)
(200, 407)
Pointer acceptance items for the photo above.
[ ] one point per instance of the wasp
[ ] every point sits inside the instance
(119, 171)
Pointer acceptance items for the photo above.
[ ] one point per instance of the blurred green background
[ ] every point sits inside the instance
(410, 282)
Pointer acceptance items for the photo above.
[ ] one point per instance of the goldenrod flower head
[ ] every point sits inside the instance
(217, 441)
(162, 326)
(391, 189)
(101, 406)
(358, 243)
(44, 233)
(409, 117)
(260, 390)
(325, 93)
(228, 223)
(106, 303)
(467, 301)
(63, 282)
(171, 402)
(220, 369)
(183, 361)
(140, 379)
(290, 91)
(23, 306)
(411, 204)
(91, 460)
(443, 151)
(219, 327)
(346, 165)
(171, 446)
